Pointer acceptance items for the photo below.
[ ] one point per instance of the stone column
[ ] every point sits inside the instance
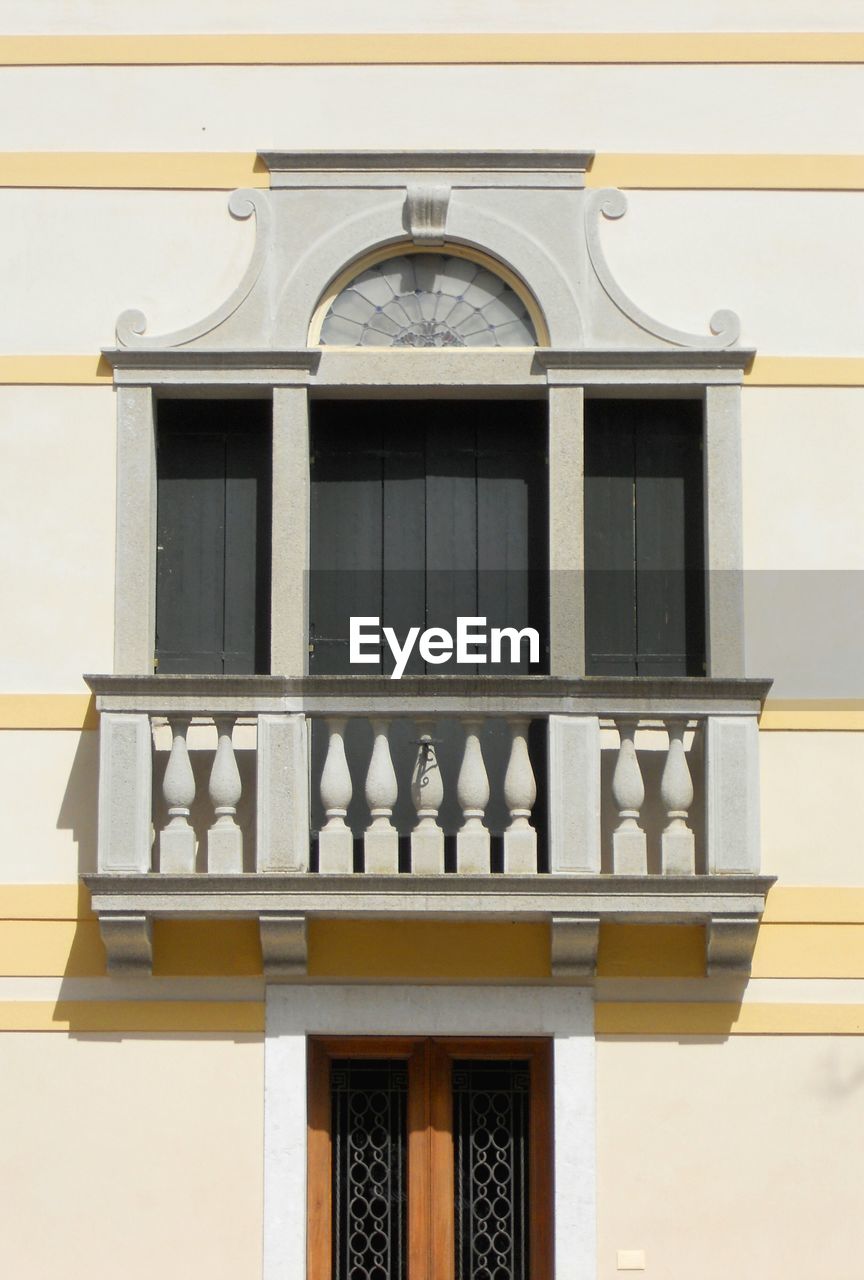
(724, 554)
(289, 607)
(135, 563)
(566, 534)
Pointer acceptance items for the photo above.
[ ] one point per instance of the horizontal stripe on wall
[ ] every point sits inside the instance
(218, 171)
(424, 48)
(78, 711)
(724, 1019)
(610, 1018)
(408, 950)
(765, 371)
(237, 1017)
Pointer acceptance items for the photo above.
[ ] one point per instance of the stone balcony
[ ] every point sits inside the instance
(517, 798)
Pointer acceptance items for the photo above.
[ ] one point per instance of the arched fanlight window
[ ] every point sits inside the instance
(428, 300)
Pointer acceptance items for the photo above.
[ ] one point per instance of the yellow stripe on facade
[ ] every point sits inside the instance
(48, 711)
(836, 714)
(51, 370)
(818, 904)
(806, 371)
(223, 171)
(134, 1016)
(427, 48)
(724, 1019)
(766, 371)
(45, 902)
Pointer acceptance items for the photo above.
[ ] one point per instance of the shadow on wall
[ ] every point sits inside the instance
(79, 807)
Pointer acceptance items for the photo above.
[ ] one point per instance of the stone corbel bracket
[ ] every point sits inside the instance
(729, 943)
(573, 942)
(426, 214)
(284, 945)
(128, 940)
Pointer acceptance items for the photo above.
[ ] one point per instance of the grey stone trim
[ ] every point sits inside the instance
(650, 899)
(566, 531)
(128, 939)
(470, 162)
(283, 945)
(705, 359)
(125, 787)
(603, 696)
(725, 325)
(729, 943)
(724, 537)
(135, 556)
(573, 944)
(728, 906)
(290, 519)
(282, 801)
(574, 811)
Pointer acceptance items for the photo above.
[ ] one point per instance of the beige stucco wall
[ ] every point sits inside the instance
(415, 15)
(692, 108)
(138, 1156)
(731, 1158)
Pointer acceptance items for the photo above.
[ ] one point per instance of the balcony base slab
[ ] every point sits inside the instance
(728, 906)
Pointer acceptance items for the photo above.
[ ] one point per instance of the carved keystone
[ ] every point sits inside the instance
(426, 214)
(574, 942)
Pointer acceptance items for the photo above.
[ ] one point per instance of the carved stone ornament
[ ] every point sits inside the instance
(426, 214)
(528, 212)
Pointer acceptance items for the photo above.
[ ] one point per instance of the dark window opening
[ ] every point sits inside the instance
(644, 541)
(423, 512)
(213, 536)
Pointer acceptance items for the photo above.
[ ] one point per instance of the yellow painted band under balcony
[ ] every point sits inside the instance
(429, 48)
(649, 1018)
(224, 171)
(235, 1017)
(767, 371)
(653, 1018)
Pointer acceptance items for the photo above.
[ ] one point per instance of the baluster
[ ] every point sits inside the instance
(335, 839)
(427, 792)
(381, 839)
(177, 838)
(520, 792)
(677, 843)
(629, 847)
(472, 790)
(225, 839)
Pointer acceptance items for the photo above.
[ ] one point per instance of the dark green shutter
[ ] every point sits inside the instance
(644, 543)
(424, 511)
(213, 536)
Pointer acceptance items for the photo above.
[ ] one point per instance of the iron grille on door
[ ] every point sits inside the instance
(429, 1159)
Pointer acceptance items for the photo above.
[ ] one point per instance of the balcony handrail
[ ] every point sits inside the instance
(356, 696)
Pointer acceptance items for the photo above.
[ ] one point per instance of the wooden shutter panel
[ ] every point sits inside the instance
(213, 536)
(644, 547)
(423, 511)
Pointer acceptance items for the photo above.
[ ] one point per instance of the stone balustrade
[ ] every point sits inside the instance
(314, 795)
